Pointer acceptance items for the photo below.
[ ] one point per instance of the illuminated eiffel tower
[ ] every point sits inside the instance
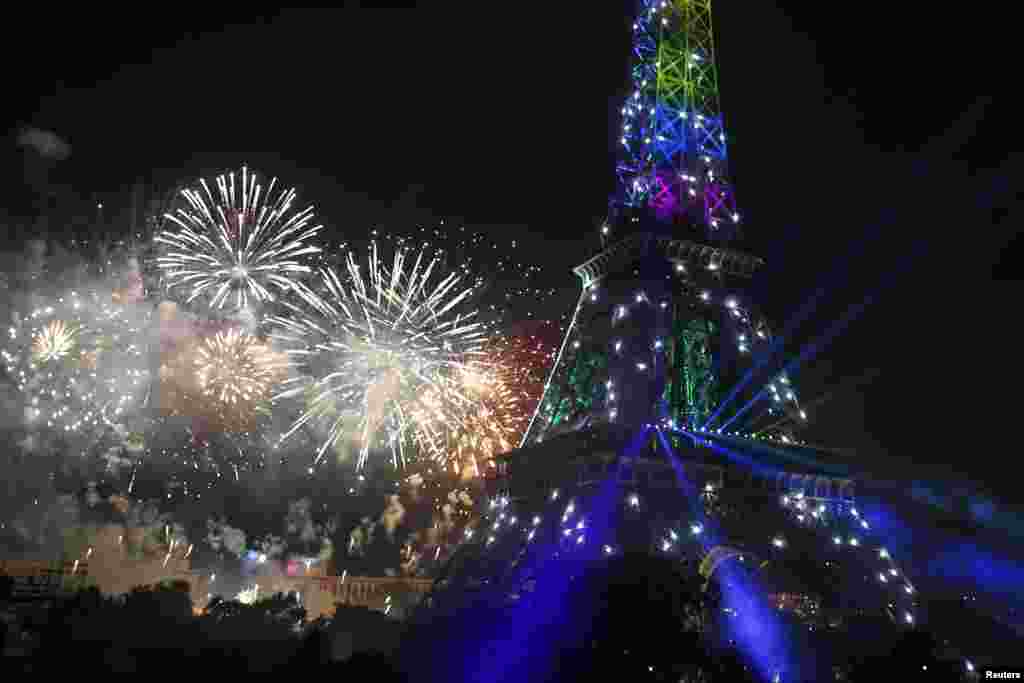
(663, 427)
(663, 326)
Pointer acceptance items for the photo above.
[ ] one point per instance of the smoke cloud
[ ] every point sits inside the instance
(46, 143)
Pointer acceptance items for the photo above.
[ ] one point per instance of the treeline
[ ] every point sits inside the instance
(637, 618)
(154, 629)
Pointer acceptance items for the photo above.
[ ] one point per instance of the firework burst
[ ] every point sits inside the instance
(215, 378)
(78, 362)
(239, 246)
(234, 368)
(54, 341)
(503, 389)
(491, 422)
(380, 356)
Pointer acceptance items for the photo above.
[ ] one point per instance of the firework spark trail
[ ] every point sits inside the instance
(244, 243)
(382, 351)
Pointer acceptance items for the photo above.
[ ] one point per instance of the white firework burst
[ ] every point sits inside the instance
(240, 245)
(380, 356)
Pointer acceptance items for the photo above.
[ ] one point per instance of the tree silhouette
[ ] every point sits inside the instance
(170, 602)
(259, 637)
(6, 587)
(374, 666)
(627, 615)
(114, 634)
(315, 649)
(636, 613)
(914, 657)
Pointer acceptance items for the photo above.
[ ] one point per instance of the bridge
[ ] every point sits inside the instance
(320, 594)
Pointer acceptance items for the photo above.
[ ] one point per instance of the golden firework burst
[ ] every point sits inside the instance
(237, 372)
(234, 367)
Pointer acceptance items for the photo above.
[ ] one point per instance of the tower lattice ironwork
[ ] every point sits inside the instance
(662, 327)
(674, 153)
(647, 436)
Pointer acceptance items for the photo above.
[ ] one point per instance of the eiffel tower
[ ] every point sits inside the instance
(665, 427)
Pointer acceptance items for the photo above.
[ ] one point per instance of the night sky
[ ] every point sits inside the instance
(505, 120)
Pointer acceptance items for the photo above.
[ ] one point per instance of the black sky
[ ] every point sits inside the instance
(505, 118)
